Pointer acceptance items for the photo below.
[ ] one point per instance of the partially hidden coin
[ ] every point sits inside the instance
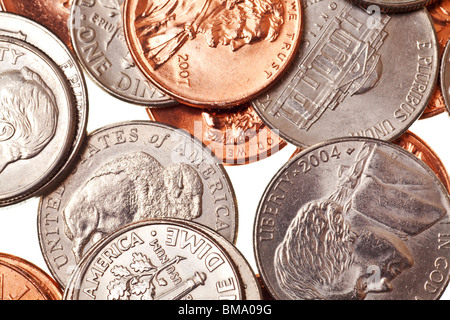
(22, 280)
(354, 218)
(213, 54)
(129, 172)
(236, 135)
(418, 147)
(53, 14)
(22, 28)
(37, 120)
(445, 76)
(441, 20)
(394, 6)
(357, 74)
(97, 36)
(156, 260)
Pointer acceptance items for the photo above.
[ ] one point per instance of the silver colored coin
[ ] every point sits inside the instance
(357, 74)
(445, 76)
(37, 117)
(16, 26)
(251, 288)
(354, 218)
(156, 260)
(129, 172)
(394, 5)
(98, 40)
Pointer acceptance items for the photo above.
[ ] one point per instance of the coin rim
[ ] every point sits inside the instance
(260, 264)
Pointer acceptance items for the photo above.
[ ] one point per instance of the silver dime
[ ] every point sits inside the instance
(445, 76)
(394, 5)
(156, 260)
(357, 74)
(128, 172)
(37, 120)
(354, 218)
(16, 26)
(98, 40)
(251, 288)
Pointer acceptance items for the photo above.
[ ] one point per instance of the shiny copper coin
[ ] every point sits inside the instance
(22, 280)
(440, 13)
(53, 14)
(236, 136)
(212, 53)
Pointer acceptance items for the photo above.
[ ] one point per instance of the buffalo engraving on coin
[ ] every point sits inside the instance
(165, 26)
(346, 245)
(28, 115)
(131, 188)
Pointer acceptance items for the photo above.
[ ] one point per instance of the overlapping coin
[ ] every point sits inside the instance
(156, 260)
(97, 36)
(22, 28)
(37, 120)
(236, 135)
(357, 74)
(128, 172)
(441, 20)
(213, 54)
(354, 218)
(445, 76)
(22, 280)
(52, 14)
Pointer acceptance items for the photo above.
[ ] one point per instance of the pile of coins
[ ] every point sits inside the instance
(146, 210)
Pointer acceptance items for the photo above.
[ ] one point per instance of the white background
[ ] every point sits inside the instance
(18, 223)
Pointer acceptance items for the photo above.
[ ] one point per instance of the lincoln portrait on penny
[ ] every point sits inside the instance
(354, 241)
(165, 25)
(28, 116)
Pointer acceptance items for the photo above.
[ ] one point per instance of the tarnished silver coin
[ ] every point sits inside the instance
(16, 26)
(37, 120)
(98, 40)
(129, 172)
(354, 218)
(394, 5)
(156, 260)
(445, 76)
(357, 74)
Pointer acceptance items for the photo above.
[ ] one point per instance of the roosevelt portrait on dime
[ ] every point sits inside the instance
(354, 241)
(28, 116)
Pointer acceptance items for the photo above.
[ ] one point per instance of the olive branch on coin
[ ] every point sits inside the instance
(141, 280)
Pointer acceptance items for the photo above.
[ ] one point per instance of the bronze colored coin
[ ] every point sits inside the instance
(22, 280)
(236, 136)
(53, 14)
(211, 53)
(440, 13)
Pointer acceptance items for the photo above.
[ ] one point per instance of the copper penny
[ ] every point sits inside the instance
(213, 53)
(53, 14)
(236, 136)
(440, 13)
(22, 280)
